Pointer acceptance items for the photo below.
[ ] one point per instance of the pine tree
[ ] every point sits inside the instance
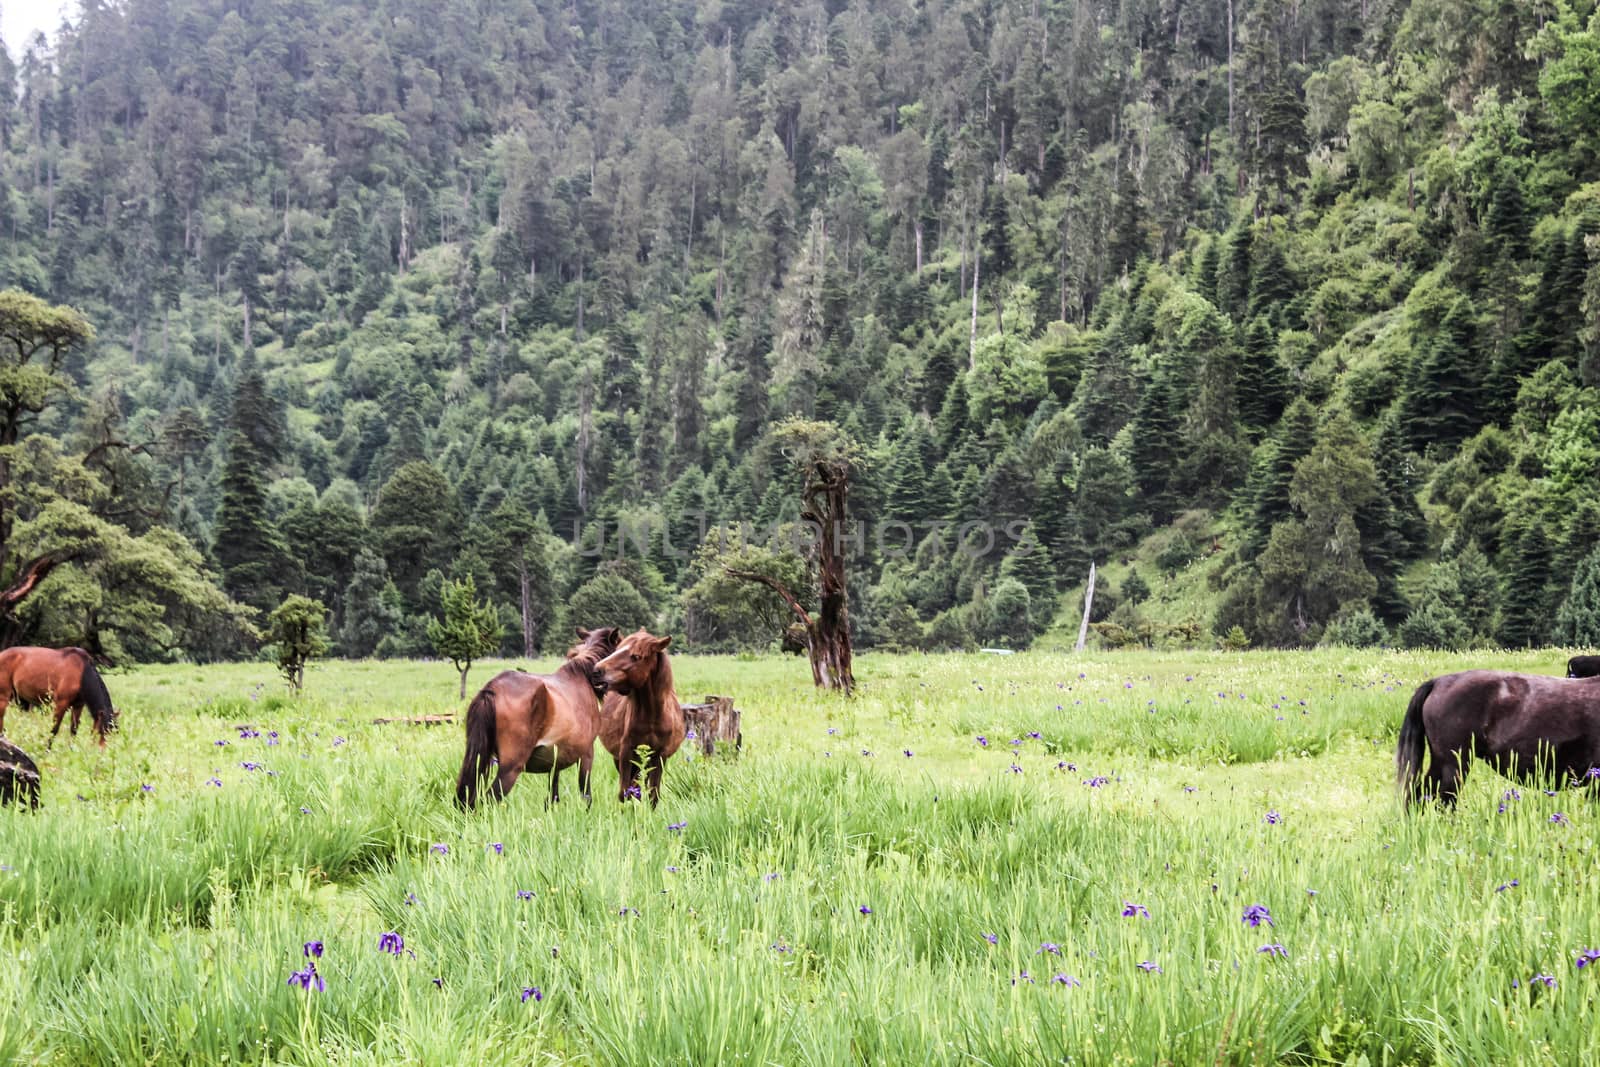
(1578, 621)
(257, 567)
(1029, 563)
(1263, 388)
(1443, 404)
(372, 608)
(1156, 446)
(1528, 597)
(1268, 488)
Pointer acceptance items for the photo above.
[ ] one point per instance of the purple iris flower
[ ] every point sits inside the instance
(992, 939)
(634, 792)
(1096, 782)
(440, 848)
(1050, 947)
(1150, 965)
(214, 780)
(1546, 980)
(677, 827)
(1066, 980)
(1586, 957)
(305, 810)
(1274, 949)
(391, 943)
(531, 992)
(411, 899)
(439, 983)
(1015, 769)
(627, 911)
(250, 766)
(907, 752)
(1559, 819)
(337, 741)
(1273, 818)
(524, 894)
(220, 743)
(147, 789)
(779, 946)
(1506, 885)
(1022, 976)
(1190, 788)
(1131, 910)
(308, 978)
(497, 847)
(983, 742)
(769, 876)
(864, 910)
(1255, 915)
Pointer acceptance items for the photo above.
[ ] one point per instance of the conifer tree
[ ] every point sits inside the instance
(1528, 596)
(1578, 621)
(468, 630)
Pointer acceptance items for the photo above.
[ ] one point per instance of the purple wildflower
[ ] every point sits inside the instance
(1022, 976)
(391, 943)
(312, 948)
(677, 827)
(1546, 980)
(907, 752)
(1015, 769)
(1066, 766)
(1559, 819)
(524, 894)
(866, 752)
(1131, 910)
(1594, 772)
(1274, 949)
(337, 741)
(147, 788)
(1096, 782)
(983, 742)
(779, 946)
(672, 870)
(832, 730)
(220, 742)
(1050, 947)
(1255, 915)
(1190, 788)
(1150, 965)
(440, 848)
(1016, 740)
(625, 910)
(690, 735)
(1273, 818)
(438, 983)
(865, 910)
(771, 876)
(531, 992)
(1513, 794)
(411, 899)
(304, 810)
(214, 780)
(1586, 957)
(250, 765)
(1066, 980)
(1035, 735)
(991, 938)
(308, 978)
(1506, 885)
(497, 847)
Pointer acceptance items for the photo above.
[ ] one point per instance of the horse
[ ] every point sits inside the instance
(19, 778)
(539, 722)
(65, 677)
(641, 710)
(1583, 666)
(1522, 725)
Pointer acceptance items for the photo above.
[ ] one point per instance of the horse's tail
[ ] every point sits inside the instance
(92, 691)
(1413, 743)
(480, 748)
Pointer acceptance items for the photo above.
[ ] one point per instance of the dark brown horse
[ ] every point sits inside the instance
(641, 711)
(1583, 666)
(539, 722)
(1522, 725)
(63, 677)
(19, 778)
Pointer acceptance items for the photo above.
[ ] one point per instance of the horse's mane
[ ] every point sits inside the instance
(93, 691)
(582, 657)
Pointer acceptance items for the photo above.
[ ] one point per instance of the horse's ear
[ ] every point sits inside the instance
(583, 635)
(663, 642)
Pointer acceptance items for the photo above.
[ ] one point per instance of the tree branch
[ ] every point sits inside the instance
(30, 577)
(776, 586)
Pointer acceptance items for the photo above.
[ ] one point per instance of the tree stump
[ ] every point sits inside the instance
(715, 720)
(19, 778)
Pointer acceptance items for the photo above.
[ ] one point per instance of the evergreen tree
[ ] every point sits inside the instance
(1263, 386)
(468, 630)
(1578, 621)
(1443, 401)
(1273, 473)
(372, 607)
(1528, 598)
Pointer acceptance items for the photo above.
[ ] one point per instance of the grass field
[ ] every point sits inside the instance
(986, 860)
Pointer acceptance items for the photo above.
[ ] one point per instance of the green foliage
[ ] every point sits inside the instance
(610, 600)
(468, 630)
(1578, 621)
(1356, 628)
(298, 632)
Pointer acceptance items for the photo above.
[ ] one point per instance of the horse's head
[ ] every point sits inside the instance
(633, 663)
(592, 647)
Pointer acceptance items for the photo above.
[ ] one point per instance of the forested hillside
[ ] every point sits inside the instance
(1293, 303)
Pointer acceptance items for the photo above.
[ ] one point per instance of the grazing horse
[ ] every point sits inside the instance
(539, 722)
(641, 710)
(19, 778)
(1583, 666)
(64, 677)
(1522, 725)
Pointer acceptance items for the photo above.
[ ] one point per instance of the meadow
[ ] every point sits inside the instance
(1106, 859)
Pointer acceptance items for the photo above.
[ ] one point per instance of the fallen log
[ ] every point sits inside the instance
(713, 721)
(418, 720)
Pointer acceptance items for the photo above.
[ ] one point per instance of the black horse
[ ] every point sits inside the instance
(19, 778)
(1522, 725)
(1583, 666)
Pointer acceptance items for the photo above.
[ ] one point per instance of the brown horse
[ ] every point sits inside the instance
(1522, 725)
(539, 722)
(641, 711)
(64, 677)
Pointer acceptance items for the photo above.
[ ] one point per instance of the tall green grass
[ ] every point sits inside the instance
(818, 905)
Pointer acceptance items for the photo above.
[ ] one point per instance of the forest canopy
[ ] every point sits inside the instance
(1287, 310)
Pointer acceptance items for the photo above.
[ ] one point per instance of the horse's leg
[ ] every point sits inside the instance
(656, 765)
(5, 702)
(627, 778)
(506, 778)
(1446, 775)
(585, 765)
(55, 728)
(77, 714)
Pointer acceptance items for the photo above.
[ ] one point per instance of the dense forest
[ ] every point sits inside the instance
(1287, 310)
